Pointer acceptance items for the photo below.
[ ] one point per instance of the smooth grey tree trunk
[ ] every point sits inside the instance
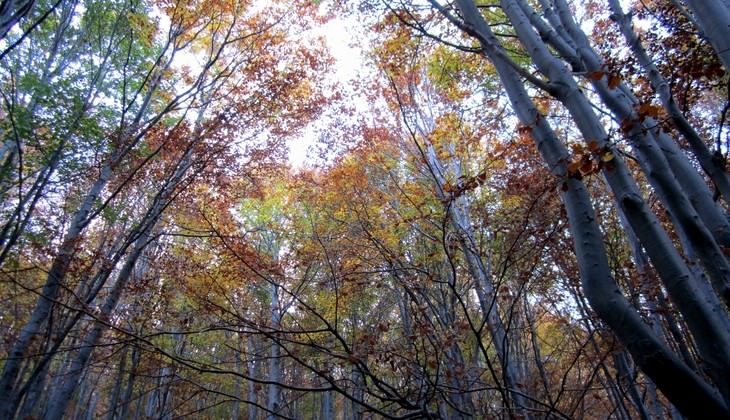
(272, 403)
(600, 289)
(625, 378)
(237, 385)
(480, 272)
(653, 154)
(712, 166)
(714, 19)
(60, 398)
(59, 267)
(713, 339)
(129, 387)
(117, 390)
(254, 371)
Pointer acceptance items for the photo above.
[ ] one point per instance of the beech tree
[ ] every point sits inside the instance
(518, 210)
(661, 160)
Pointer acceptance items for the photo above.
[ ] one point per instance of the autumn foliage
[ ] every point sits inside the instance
(515, 210)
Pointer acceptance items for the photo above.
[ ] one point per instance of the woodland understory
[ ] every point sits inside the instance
(510, 209)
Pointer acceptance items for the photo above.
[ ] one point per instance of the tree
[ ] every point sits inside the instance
(564, 35)
(508, 217)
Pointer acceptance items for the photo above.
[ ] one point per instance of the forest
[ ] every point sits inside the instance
(509, 209)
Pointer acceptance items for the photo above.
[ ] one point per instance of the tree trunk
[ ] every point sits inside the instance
(254, 371)
(60, 398)
(272, 403)
(714, 18)
(712, 167)
(117, 390)
(11, 12)
(600, 289)
(708, 325)
(129, 387)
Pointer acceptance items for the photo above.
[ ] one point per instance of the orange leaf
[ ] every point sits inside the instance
(595, 75)
(574, 166)
(650, 110)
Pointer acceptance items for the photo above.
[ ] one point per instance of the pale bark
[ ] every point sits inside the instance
(60, 398)
(707, 323)
(272, 402)
(237, 384)
(678, 185)
(712, 166)
(254, 371)
(480, 272)
(117, 390)
(129, 387)
(601, 290)
(714, 19)
(625, 378)
(57, 273)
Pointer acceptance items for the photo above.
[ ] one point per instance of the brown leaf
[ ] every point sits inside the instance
(613, 81)
(586, 167)
(648, 110)
(574, 166)
(626, 126)
(595, 75)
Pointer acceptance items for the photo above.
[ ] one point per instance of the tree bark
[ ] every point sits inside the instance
(711, 166)
(714, 19)
(600, 289)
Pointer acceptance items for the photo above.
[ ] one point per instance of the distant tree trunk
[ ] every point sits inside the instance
(481, 273)
(32, 404)
(60, 398)
(91, 408)
(237, 385)
(129, 387)
(254, 371)
(327, 405)
(117, 390)
(358, 393)
(272, 403)
(59, 267)
(625, 379)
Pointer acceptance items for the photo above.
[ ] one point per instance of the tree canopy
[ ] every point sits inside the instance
(513, 209)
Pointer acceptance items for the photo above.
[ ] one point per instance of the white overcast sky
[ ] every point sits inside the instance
(340, 35)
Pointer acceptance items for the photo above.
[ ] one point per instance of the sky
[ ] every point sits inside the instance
(339, 34)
